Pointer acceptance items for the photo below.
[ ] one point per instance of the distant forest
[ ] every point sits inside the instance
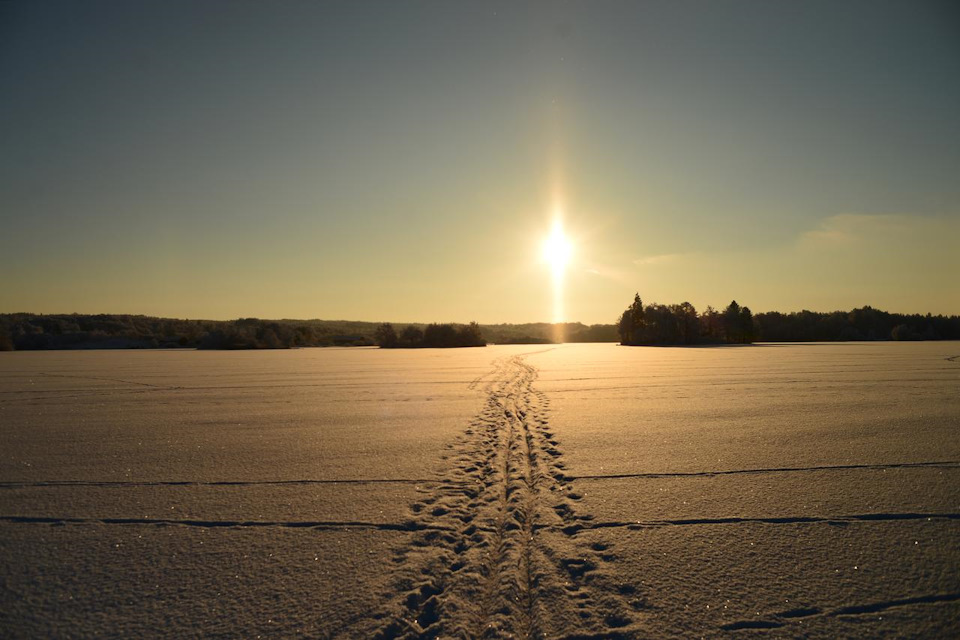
(659, 324)
(640, 324)
(28, 331)
(25, 331)
(433, 335)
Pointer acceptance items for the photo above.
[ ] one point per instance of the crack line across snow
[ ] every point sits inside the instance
(210, 524)
(839, 519)
(946, 464)
(496, 531)
(140, 384)
(781, 619)
(213, 483)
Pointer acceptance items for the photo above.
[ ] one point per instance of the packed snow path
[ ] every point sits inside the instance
(496, 554)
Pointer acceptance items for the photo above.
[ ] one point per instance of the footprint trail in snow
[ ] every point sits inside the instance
(501, 558)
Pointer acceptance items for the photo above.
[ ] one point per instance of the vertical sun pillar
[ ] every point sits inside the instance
(556, 253)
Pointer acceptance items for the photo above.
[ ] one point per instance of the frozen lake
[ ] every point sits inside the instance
(509, 491)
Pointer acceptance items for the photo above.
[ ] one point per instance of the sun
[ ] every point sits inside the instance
(557, 249)
(557, 252)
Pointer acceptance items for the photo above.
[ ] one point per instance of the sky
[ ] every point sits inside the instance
(405, 161)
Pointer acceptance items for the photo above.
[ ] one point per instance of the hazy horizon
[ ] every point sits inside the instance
(408, 160)
(613, 321)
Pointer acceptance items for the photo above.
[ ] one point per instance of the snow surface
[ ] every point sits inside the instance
(808, 490)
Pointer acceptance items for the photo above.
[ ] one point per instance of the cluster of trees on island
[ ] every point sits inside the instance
(639, 324)
(681, 324)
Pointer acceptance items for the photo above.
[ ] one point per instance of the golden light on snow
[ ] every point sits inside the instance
(557, 251)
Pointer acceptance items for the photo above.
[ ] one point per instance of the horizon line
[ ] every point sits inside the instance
(397, 322)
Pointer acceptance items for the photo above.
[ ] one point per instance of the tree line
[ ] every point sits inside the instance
(640, 324)
(31, 331)
(658, 324)
(864, 323)
(26, 331)
(547, 332)
(433, 335)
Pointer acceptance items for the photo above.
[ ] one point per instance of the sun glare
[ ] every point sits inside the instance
(557, 249)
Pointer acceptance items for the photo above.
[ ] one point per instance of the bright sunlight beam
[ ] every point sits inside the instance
(557, 251)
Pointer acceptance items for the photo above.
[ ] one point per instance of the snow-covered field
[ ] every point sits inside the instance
(513, 491)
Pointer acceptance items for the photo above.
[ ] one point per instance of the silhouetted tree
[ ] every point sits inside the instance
(411, 336)
(903, 332)
(470, 336)
(732, 323)
(680, 324)
(631, 323)
(660, 325)
(439, 335)
(746, 325)
(711, 325)
(385, 336)
(688, 325)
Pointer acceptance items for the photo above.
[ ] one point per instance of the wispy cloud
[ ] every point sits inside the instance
(608, 272)
(660, 259)
(849, 228)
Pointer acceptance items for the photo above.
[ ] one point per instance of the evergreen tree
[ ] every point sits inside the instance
(731, 322)
(746, 325)
(632, 322)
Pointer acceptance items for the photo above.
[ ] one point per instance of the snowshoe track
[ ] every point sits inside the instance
(501, 559)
